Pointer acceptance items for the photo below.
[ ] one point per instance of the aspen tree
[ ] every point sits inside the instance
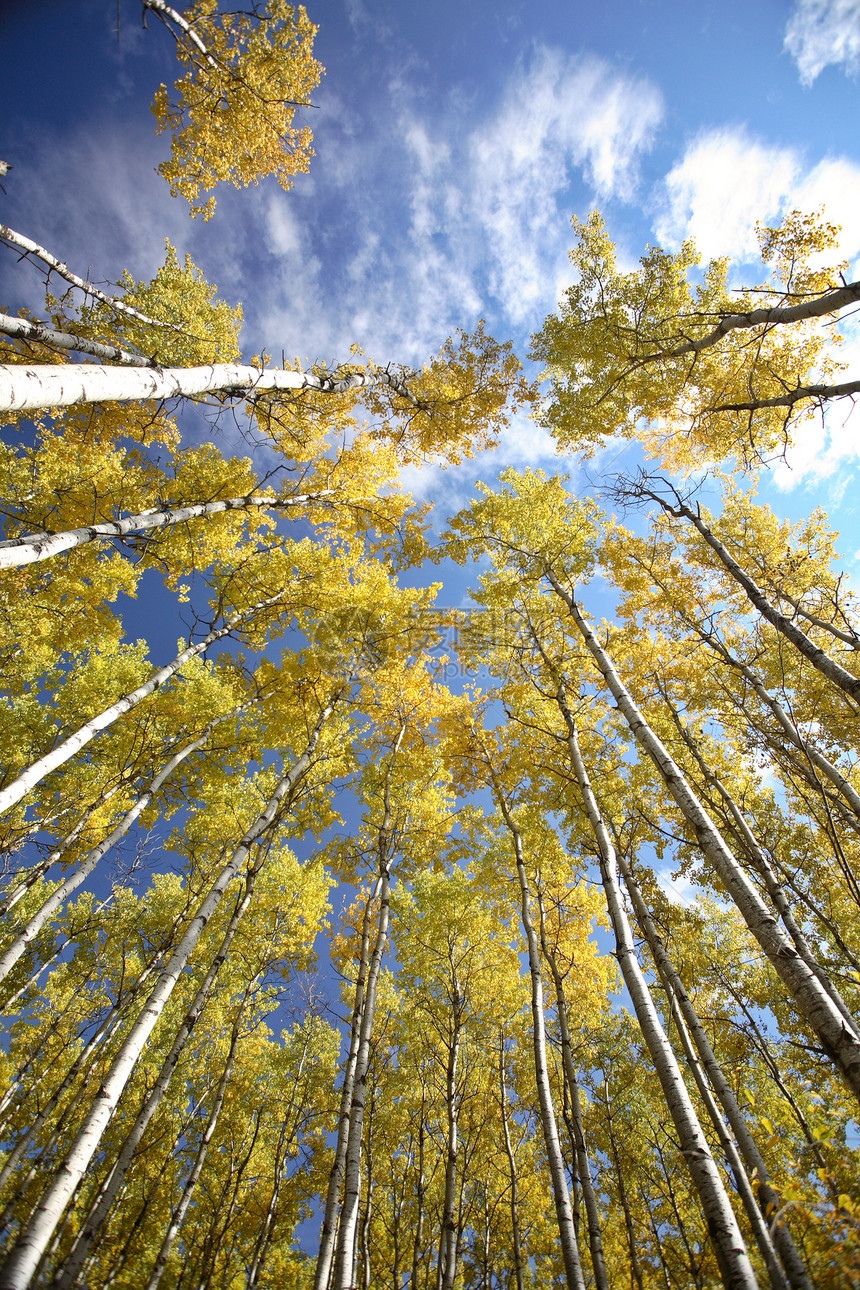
(29, 778)
(650, 356)
(583, 1164)
(344, 1266)
(722, 1225)
(512, 1166)
(85, 868)
(233, 114)
(813, 1001)
(818, 657)
(768, 1198)
(561, 1197)
(113, 1182)
(32, 1242)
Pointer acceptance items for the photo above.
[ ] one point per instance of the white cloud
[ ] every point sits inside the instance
(834, 184)
(95, 201)
(678, 889)
(561, 114)
(821, 32)
(726, 181)
(447, 221)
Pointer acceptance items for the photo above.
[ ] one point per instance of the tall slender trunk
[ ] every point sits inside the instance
(37, 770)
(24, 387)
(113, 1183)
(328, 1233)
(34, 547)
(818, 657)
(564, 1215)
(85, 1059)
(30, 330)
(286, 1136)
(420, 1191)
(512, 1171)
(726, 1239)
(202, 1151)
(344, 1266)
(368, 1204)
(345, 1255)
(29, 247)
(21, 1263)
(222, 1214)
(762, 866)
(635, 1270)
(761, 1233)
(689, 1023)
(446, 1265)
(815, 1005)
(61, 893)
(33, 875)
(32, 1061)
(783, 720)
(595, 1241)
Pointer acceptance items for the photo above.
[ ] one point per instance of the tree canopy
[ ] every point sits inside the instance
(294, 928)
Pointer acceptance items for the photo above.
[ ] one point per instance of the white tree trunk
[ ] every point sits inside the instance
(345, 1259)
(725, 1234)
(328, 1234)
(27, 329)
(512, 1171)
(33, 1241)
(61, 893)
(784, 721)
(818, 657)
(62, 270)
(774, 889)
(564, 1214)
(286, 1137)
(446, 1266)
(33, 875)
(771, 1202)
(199, 1159)
(344, 1268)
(815, 1005)
(34, 547)
(595, 1240)
(818, 307)
(37, 770)
(110, 1188)
(169, 15)
(26, 387)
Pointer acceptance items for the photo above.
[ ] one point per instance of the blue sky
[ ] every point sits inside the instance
(454, 142)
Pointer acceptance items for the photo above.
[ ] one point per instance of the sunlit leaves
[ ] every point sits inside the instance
(233, 114)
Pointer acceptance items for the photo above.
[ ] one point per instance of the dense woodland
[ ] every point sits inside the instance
(547, 1073)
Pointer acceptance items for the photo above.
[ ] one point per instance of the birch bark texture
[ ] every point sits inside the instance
(26, 388)
(61, 893)
(564, 1214)
(34, 547)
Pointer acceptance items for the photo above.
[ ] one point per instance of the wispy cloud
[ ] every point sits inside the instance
(450, 223)
(559, 115)
(821, 33)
